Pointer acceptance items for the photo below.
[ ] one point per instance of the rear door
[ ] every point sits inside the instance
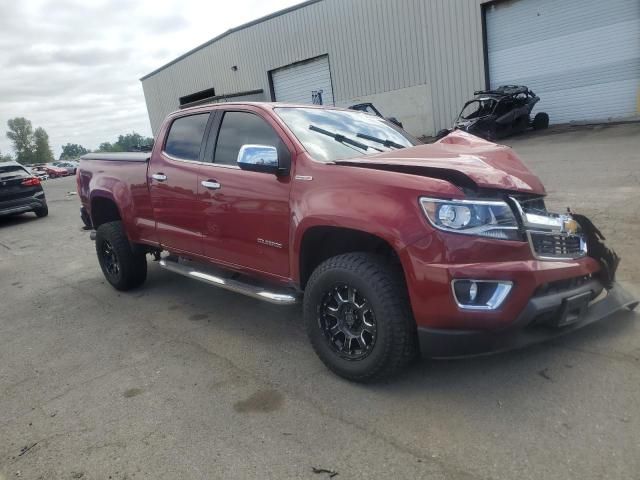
(247, 216)
(173, 184)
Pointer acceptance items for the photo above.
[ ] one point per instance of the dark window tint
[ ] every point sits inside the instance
(241, 128)
(185, 137)
(8, 172)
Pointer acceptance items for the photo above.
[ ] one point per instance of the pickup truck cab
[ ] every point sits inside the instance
(393, 246)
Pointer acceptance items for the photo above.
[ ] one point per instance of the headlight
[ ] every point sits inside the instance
(492, 219)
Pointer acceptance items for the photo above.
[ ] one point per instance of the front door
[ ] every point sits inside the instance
(247, 217)
(173, 180)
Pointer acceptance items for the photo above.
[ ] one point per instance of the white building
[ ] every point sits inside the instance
(418, 60)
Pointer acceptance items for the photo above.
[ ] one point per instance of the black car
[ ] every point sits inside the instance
(20, 191)
(498, 113)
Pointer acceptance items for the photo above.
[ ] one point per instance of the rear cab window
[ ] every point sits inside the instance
(184, 140)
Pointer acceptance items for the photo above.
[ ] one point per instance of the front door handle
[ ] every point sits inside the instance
(161, 177)
(211, 184)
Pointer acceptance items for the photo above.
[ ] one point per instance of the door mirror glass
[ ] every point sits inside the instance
(258, 158)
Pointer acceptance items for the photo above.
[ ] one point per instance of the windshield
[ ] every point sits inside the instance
(330, 135)
(477, 108)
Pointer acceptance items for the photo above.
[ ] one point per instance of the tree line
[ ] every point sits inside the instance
(32, 146)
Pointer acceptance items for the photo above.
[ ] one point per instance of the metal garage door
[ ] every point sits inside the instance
(308, 82)
(582, 57)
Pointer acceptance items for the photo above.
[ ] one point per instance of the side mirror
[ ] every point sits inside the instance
(259, 158)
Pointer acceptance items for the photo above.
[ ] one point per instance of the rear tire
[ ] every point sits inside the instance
(42, 211)
(369, 299)
(123, 267)
(540, 121)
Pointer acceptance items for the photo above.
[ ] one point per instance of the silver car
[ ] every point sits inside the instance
(70, 165)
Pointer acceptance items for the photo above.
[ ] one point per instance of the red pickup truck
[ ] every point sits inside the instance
(395, 248)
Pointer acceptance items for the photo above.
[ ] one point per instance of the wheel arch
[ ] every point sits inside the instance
(104, 209)
(321, 242)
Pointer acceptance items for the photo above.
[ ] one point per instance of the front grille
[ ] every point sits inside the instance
(557, 245)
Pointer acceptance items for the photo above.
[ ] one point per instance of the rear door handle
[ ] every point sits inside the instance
(161, 177)
(211, 184)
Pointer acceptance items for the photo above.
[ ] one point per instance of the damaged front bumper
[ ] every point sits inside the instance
(545, 317)
(560, 279)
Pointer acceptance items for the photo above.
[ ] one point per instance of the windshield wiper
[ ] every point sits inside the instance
(386, 143)
(340, 138)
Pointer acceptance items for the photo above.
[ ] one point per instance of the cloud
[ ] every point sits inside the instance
(165, 24)
(81, 57)
(72, 67)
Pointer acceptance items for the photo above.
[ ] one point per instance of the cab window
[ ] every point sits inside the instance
(238, 129)
(185, 137)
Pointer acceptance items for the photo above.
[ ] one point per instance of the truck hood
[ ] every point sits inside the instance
(460, 158)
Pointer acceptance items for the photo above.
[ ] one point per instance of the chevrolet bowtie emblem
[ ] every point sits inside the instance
(570, 226)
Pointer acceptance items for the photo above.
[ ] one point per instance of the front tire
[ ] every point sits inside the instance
(358, 318)
(124, 268)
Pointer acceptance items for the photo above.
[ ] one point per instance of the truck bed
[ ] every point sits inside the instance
(125, 184)
(119, 157)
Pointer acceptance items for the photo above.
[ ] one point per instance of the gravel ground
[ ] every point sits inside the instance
(180, 380)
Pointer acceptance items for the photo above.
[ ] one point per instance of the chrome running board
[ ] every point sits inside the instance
(191, 270)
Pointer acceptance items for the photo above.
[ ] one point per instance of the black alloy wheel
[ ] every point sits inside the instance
(110, 259)
(358, 317)
(348, 322)
(124, 265)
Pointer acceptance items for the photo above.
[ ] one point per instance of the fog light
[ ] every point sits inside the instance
(473, 291)
(480, 294)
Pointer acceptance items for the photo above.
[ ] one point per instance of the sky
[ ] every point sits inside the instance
(73, 67)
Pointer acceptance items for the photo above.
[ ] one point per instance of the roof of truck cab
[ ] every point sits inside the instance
(264, 105)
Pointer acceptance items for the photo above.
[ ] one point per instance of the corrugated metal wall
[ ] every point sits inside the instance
(374, 46)
(582, 57)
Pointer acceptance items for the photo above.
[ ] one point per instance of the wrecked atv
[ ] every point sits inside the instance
(370, 108)
(499, 113)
